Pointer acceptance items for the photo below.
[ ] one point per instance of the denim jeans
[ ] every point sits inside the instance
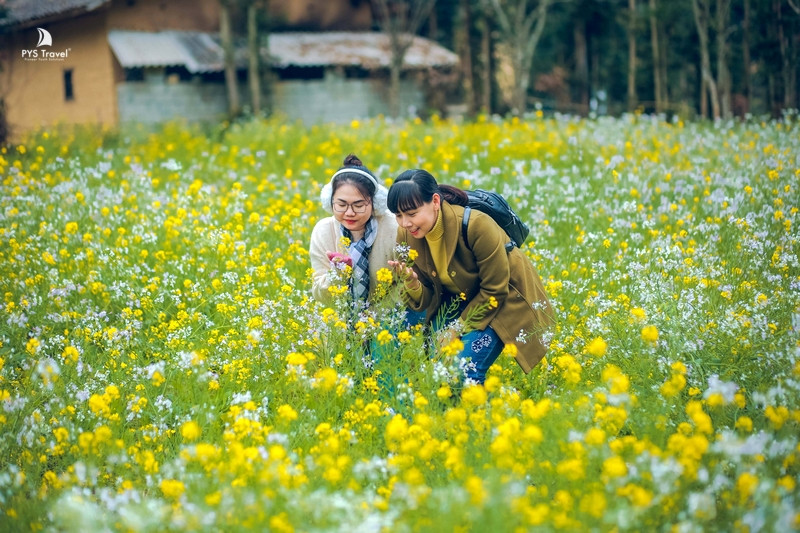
(481, 347)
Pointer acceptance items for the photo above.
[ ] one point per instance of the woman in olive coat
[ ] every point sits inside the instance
(496, 292)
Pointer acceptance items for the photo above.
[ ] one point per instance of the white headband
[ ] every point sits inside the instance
(378, 199)
(356, 171)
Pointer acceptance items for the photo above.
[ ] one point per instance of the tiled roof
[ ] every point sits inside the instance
(202, 52)
(197, 51)
(366, 49)
(19, 12)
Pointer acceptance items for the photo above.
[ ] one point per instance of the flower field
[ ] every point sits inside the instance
(164, 368)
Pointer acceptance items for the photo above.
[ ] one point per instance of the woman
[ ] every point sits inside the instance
(497, 294)
(358, 204)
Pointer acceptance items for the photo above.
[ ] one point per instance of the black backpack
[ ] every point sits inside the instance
(494, 205)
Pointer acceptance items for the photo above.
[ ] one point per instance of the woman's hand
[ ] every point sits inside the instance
(336, 257)
(405, 273)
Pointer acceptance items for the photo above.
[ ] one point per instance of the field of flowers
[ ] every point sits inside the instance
(163, 367)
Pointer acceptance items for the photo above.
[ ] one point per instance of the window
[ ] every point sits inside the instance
(69, 92)
(134, 74)
(301, 73)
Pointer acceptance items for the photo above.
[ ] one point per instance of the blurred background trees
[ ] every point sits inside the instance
(693, 58)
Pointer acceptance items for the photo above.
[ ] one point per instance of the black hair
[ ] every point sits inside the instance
(415, 187)
(364, 185)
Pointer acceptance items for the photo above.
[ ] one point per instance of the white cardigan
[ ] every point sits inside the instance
(326, 237)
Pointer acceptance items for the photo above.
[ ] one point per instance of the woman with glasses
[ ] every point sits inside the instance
(361, 233)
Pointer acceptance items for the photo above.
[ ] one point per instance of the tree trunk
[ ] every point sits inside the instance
(395, 71)
(746, 83)
(400, 21)
(703, 97)
(632, 98)
(521, 81)
(254, 72)
(663, 48)
(486, 60)
(723, 71)
(226, 36)
(656, 57)
(521, 31)
(701, 17)
(465, 46)
(581, 62)
(788, 62)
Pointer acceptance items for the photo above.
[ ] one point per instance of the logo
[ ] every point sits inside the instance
(45, 39)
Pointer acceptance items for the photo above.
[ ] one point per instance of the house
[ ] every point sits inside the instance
(116, 61)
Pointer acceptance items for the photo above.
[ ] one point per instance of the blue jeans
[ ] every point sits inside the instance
(481, 347)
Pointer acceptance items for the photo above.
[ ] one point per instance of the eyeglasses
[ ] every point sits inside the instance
(357, 207)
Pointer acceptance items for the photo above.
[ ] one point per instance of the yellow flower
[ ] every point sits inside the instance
(158, 378)
(595, 436)
(403, 337)
(510, 350)
(444, 392)
(650, 334)
(453, 347)
(594, 504)
(412, 255)
(746, 485)
(384, 275)
(280, 523)
(326, 378)
(477, 493)
(673, 385)
(384, 337)
(172, 488)
(70, 354)
(617, 381)
(745, 423)
(296, 359)
(191, 430)
(287, 413)
(597, 347)
(777, 415)
(474, 395)
(638, 313)
(614, 467)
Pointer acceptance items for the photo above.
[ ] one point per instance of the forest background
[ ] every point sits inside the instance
(694, 58)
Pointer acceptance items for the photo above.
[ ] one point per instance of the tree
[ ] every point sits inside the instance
(659, 59)
(226, 36)
(400, 20)
(722, 29)
(631, 31)
(521, 23)
(702, 16)
(788, 49)
(464, 46)
(254, 56)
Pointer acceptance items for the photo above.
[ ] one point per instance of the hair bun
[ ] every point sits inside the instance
(352, 160)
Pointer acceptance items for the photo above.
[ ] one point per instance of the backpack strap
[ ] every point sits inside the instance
(465, 226)
(510, 245)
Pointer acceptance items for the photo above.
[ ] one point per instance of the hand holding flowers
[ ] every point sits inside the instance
(337, 257)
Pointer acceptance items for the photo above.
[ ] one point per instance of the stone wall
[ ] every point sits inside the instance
(332, 99)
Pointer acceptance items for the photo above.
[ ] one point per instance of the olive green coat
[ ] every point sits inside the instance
(523, 310)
